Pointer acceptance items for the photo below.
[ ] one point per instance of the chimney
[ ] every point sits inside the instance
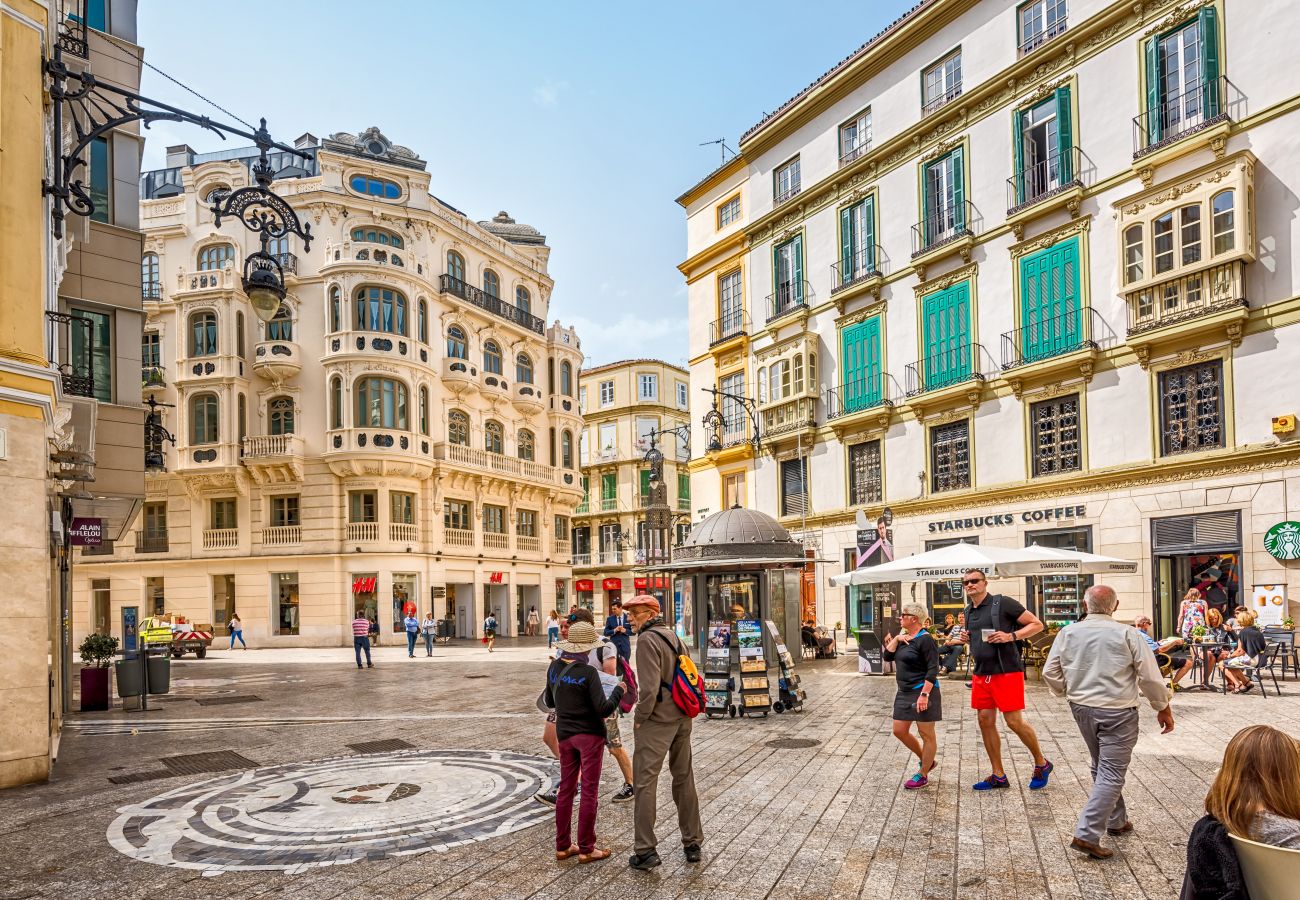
(179, 156)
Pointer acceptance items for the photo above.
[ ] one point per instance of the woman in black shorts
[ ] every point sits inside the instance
(916, 664)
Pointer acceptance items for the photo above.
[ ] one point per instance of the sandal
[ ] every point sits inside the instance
(565, 854)
(595, 855)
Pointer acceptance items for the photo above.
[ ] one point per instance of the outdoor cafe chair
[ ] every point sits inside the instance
(1288, 654)
(1271, 873)
(1267, 658)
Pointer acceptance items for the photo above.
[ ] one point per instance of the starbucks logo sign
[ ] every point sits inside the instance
(1282, 541)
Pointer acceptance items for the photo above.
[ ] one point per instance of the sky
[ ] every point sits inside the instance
(582, 119)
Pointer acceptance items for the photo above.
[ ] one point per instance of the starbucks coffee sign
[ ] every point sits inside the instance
(1282, 541)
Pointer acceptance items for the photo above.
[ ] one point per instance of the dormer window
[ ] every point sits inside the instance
(375, 187)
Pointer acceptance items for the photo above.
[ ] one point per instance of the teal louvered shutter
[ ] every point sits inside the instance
(860, 365)
(1064, 136)
(928, 228)
(1049, 302)
(958, 191)
(846, 245)
(1154, 92)
(947, 318)
(869, 232)
(796, 267)
(1018, 152)
(1209, 23)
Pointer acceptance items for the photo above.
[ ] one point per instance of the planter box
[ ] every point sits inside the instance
(94, 689)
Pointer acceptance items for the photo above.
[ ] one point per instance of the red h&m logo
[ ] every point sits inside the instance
(496, 577)
(363, 585)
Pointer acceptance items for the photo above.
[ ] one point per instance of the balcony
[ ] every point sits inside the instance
(151, 290)
(788, 194)
(853, 154)
(528, 399)
(281, 535)
(528, 544)
(71, 343)
(277, 360)
(938, 102)
(223, 279)
(152, 380)
(603, 558)
(458, 537)
(1054, 178)
(494, 385)
(733, 325)
(220, 538)
(582, 560)
(1199, 303)
(955, 371)
(288, 262)
(1051, 337)
(789, 297)
(403, 532)
(368, 344)
(608, 504)
(460, 375)
(215, 367)
(371, 451)
(684, 504)
(944, 230)
(561, 549)
(1047, 32)
(857, 274)
(496, 540)
(151, 543)
(582, 508)
(362, 531)
(273, 458)
(494, 305)
(1199, 107)
(499, 464)
(871, 398)
(789, 417)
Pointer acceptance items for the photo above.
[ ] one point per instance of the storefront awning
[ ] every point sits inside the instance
(584, 584)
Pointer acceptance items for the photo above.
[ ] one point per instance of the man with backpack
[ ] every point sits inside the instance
(994, 625)
(663, 729)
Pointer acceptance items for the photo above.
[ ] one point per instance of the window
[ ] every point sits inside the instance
(241, 350)
(100, 180)
(1221, 209)
(280, 328)
(945, 337)
(609, 536)
(1191, 409)
(731, 306)
(729, 212)
(401, 507)
(733, 414)
(284, 586)
(857, 241)
(761, 381)
(422, 326)
(1132, 254)
(683, 396)
(203, 334)
(566, 449)
(150, 350)
(787, 264)
(606, 393)
(223, 514)
(455, 265)
(242, 417)
(457, 345)
(941, 82)
(523, 368)
(336, 402)
(363, 506)
(1183, 87)
(864, 473)
(377, 236)
(1189, 227)
(203, 419)
(609, 487)
(91, 351)
(1050, 321)
(458, 428)
(566, 378)
(683, 489)
(494, 519)
(582, 400)
(150, 286)
(527, 524)
(785, 181)
(424, 410)
(280, 412)
(648, 387)
(215, 257)
(96, 14)
(1044, 147)
(381, 403)
(584, 449)
(855, 137)
(494, 437)
(491, 283)
(794, 487)
(155, 521)
(526, 445)
(1054, 430)
(561, 528)
(457, 514)
(950, 457)
(491, 357)
(644, 427)
(1162, 236)
(943, 199)
(380, 309)
(1040, 21)
(608, 437)
(375, 187)
(284, 511)
(523, 302)
(336, 309)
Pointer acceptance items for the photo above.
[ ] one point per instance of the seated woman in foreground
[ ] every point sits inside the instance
(1256, 795)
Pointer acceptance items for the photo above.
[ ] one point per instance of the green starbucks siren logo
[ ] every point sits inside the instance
(1282, 541)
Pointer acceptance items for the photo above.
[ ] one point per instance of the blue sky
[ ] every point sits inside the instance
(582, 119)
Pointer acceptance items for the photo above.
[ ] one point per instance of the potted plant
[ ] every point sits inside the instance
(1288, 622)
(1198, 633)
(96, 652)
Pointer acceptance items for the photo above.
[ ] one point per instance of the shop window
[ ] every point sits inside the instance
(223, 600)
(1054, 430)
(365, 595)
(285, 587)
(404, 602)
(950, 457)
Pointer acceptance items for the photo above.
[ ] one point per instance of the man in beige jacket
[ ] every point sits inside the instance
(661, 729)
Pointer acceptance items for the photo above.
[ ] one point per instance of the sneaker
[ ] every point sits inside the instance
(1039, 781)
(970, 685)
(916, 782)
(545, 797)
(992, 783)
(625, 794)
(692, 852)
(370, 665)
(943, 670)
(359, 666)
(645, 861)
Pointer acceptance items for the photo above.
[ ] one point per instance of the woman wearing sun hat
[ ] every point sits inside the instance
(574, 690)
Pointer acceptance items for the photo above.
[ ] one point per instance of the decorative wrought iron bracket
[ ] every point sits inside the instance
(714, 421)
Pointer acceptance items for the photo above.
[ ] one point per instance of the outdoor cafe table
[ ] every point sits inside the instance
(1200, 655)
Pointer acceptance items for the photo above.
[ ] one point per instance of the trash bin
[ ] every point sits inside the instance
(128, 677)
(444, 628)
(160, 673)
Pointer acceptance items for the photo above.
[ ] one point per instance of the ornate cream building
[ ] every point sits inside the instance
(404, 432)
(1020, 272)
(623, 403)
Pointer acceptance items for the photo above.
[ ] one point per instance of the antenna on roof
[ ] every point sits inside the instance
(722, 143)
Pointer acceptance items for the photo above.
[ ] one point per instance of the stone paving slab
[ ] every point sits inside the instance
(830, 821)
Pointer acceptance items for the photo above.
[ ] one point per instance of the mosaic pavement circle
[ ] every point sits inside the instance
(333, 812)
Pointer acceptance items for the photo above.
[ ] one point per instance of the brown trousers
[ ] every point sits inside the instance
(654, 741)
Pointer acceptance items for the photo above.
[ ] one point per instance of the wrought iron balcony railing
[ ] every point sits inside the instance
(1033, 41)
(862, 265)
(1199, 105)
(788, 297)
(489, 303)
(861, 394)
(853, 153)
(942, 226)
(151, 543)
(288, 262)
(944, 369)
(71, 343)
(1187, 297)
(786, 194)
(1043, 179)
(938, 102)
(733, 324)
(1051, 336)
(151, 290)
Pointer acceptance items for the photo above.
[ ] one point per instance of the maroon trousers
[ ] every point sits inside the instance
(582, 753)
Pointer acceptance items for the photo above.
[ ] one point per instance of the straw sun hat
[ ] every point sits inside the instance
(582, 638)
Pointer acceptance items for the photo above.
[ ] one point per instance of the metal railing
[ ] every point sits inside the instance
(363, 531)
(1187, 297)
(288, 262)
(684, 503)
(944, 369)
(1042, 179)
(942, 226)
(1199, 105)
(942, 100)
(790, 415)
(788, 297)
(608, 504)
(403, 532)
(151, 290)
(733, 324)
(1052, 336)
(279, 535)
(581, 560)
(1034, 41)
(785, 195)
(494, 305)
(220, 538)
(859, 267)
(853, 153)
(859, 395)
(67, 334)
(72, 30)
(151, 543)
(582, 508)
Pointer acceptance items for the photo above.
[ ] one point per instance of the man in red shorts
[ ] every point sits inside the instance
(999, 679)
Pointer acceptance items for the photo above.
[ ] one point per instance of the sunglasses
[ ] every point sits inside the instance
(970, 581)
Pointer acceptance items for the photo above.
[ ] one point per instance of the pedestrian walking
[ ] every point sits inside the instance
(429, 628)
(236, 628)
(915, 655)
(618, 628)
(533, 621)
(412, 626)
(661, 730)
(994, 624)
(361, 638)
(490, 631)
(574, 689)
(552, 629)
(1101, 666)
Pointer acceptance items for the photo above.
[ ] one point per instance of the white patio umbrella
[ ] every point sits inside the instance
(1089, 563)
(955, 560)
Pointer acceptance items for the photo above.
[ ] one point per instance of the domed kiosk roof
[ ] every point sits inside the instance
(737, 537)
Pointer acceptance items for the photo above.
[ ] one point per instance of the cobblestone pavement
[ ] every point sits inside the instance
(828, 821)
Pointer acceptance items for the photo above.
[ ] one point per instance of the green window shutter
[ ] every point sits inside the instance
(846, 245)
(683, 486)
(645, 483)
(796, 252)
(1064, 135)
(927, 225)
(1018, 152)
(586, 489)
(869, 232)
(1209, 23)
(947, 336)
(861, 384)
(958, 191)
(1154, 93)
(608, 487)
(1050, 321)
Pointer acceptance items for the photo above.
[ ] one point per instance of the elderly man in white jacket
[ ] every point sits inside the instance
(1101, 666)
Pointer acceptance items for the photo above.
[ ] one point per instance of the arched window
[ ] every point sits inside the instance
(812, 371)
(424, 410)
(374, 187)
(215, 193)
(203, 418)
(566, 379)
(524, 368)
(527, 445)
(491, 283)
(279, 248)
(494, 437)
(377, 236)
(455, 265)
(491, 357)
(566, 449)
(336, 308)
(381, 403)
(281, 327)
(523, 301)
(336, 402)
(215, 257)
(203, 334)
(457, 345)
(380, 309)
(1132, 254)
(280, 411)
(240, 350)
(423, 325)
(458, 428)
(150, 287)
(1222, 221)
